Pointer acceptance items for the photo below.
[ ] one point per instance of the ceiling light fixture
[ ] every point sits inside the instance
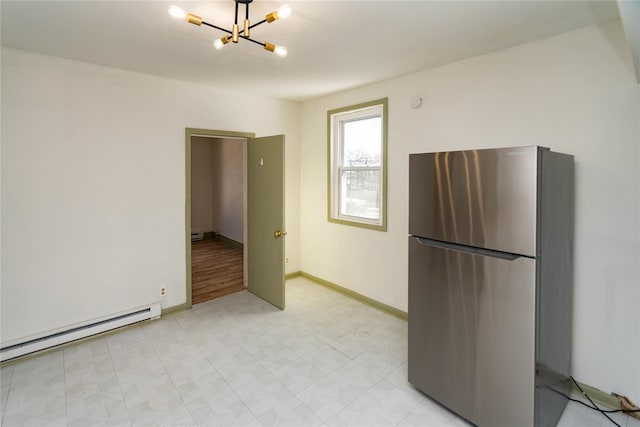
(235, 33)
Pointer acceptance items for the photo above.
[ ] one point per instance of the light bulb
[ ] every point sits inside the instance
(284, 11)
(281, 51)
(177, 12)
(219, 43)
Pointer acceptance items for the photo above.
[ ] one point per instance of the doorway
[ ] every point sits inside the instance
(218, 204)
(263, 216)
(208, 137)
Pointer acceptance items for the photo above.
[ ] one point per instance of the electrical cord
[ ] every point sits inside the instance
(592, 402)
(594, 407)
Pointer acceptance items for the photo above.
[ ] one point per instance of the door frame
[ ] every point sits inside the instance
(209, 133)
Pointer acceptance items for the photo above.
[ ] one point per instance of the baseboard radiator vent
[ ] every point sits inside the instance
(195, 237)
(54, 338)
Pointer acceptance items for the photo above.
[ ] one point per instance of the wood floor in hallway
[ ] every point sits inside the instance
(216, 270)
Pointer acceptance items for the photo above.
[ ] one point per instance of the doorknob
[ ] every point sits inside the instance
(279, 233)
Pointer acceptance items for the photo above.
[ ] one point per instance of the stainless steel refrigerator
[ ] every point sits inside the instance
(490, 282)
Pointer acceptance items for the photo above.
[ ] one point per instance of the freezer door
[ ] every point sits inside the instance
(482, 198)
(472, 333)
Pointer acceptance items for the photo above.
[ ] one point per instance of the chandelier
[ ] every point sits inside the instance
(235, 33)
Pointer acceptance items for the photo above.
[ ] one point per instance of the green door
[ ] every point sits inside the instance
(265, 211)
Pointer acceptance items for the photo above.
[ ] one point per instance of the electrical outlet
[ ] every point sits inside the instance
(163, 291)
(286, 260)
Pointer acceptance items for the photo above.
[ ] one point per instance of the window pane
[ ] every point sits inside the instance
(360, 193)
(362, 142)
(357, 165)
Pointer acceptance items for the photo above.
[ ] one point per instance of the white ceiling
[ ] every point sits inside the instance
(333, 45)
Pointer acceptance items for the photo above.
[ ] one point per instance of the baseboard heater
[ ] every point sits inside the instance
(62, 336)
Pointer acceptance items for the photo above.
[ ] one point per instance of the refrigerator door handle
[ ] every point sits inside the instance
(468, 249)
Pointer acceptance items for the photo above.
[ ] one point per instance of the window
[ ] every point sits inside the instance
(357, 165)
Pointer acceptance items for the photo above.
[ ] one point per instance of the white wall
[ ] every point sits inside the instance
(93, 185)
(217, 186)
(202, 185)
(574, 93)
(228, 202)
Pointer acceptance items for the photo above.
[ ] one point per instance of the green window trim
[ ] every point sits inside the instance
(376, 108)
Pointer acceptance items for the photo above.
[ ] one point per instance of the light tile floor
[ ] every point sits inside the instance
(326, 360)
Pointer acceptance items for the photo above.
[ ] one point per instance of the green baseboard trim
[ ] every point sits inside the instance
(173, 309)
(355, 295)
(599, 397)
(292, 275)
(230, 242)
